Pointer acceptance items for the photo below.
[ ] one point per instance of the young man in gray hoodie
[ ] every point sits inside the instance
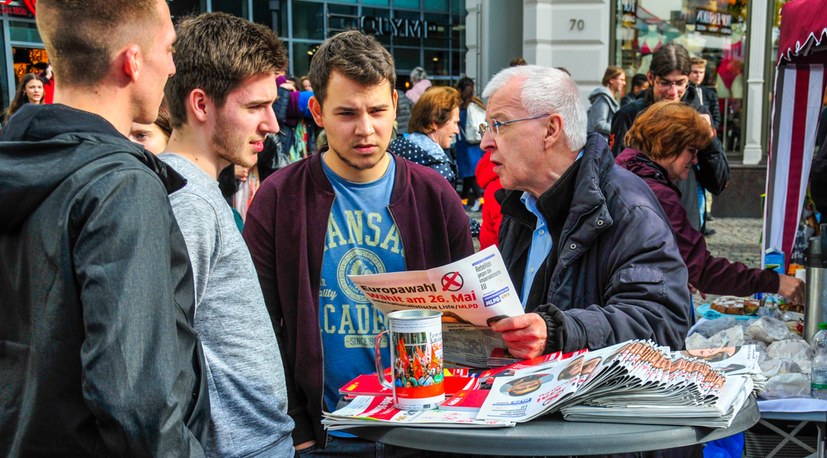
(219, 119)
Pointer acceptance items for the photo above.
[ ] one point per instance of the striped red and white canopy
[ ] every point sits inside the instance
(799, 89)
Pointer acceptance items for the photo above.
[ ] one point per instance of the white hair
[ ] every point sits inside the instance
(547, 90)
(418, 74)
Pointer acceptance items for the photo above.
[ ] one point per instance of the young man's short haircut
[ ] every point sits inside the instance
(82, 37)
(215, 52)
(698, 61)
(639, 80)
(668, 58)
(354, 55)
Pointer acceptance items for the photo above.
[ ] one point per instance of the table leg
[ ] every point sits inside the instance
(787, 437)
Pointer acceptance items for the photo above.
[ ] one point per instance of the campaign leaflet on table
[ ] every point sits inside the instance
(474, 291)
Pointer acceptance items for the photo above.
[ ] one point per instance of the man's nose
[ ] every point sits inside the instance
(271, 123)
(364, 125)
(487, 140)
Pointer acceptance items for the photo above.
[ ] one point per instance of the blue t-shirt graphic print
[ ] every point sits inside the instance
(361, 238)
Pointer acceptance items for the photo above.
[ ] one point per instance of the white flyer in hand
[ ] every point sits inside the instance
(473, 291)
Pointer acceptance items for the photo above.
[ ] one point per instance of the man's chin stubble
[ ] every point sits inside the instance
(347, 162)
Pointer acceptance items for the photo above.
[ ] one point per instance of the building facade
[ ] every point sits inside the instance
(418, 33)
(736, 37)
(452, 38)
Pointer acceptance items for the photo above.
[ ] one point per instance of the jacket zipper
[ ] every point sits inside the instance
(319, 328)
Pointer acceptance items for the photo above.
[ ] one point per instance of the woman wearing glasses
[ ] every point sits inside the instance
(663, 146)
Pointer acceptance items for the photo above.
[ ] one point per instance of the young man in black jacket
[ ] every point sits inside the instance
(98, 356)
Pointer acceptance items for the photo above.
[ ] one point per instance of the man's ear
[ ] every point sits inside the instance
(316, 110)
(198, 105)
(395, 102)
(651, 78)
(130, 58)
(554, 130)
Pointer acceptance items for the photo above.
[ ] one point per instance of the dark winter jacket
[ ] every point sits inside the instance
(712, 171)
(285, 231)
(614, 272)
(706, 272)
(98, 356)
(403, 113)
(818, 179)
(707, 97)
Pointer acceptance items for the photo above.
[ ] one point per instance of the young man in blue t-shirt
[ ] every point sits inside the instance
(352, 209)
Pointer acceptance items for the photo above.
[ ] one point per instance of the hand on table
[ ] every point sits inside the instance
(524, 335)
(304, 445)
(792, 288)
(694, 290)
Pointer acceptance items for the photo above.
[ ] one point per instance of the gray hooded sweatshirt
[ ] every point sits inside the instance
(603, 109)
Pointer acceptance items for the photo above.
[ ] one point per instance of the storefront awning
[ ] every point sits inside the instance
(803, 29)
(799, 89)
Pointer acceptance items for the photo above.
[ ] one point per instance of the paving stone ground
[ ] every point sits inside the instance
(737, 239)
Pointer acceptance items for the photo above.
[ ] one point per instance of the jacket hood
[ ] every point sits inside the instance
(485, 171)
(417, 90)
(42, 145)
(603, 91)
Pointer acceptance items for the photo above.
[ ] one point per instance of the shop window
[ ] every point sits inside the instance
(234, 7)
(376, 21)
(714, 30)
(436, 62)
(302, 54)
(283, 19)
(406, 59)
(28, 60)
(409, 39)
(181, 8)
(458, 7)
(340, 18)
(262, 14)
(457, 32)
(24, 31)
(308, 20)
(436, 5)
(5, 98)
(439, 30)
(457, 62)
(412, 4)
(376, 2)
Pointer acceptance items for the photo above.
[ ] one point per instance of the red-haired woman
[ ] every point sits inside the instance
(662, 147)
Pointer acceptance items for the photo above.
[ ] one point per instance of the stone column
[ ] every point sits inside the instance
(755, 137)
(574, 34)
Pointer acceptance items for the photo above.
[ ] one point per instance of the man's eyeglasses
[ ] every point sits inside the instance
(495, 125)
(678, 84)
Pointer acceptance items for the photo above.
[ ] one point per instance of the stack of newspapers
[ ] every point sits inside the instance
(379, 411)
(632, 382)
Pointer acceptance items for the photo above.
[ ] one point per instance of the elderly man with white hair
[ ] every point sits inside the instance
(585, 242)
